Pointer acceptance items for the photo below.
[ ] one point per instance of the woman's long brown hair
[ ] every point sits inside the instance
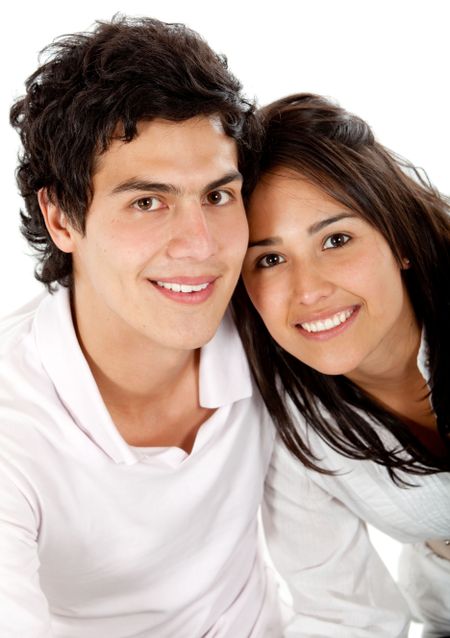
(337, 151)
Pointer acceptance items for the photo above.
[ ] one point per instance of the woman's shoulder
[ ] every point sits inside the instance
(416, 511)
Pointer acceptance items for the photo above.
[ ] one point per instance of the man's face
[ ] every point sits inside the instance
(166, 235)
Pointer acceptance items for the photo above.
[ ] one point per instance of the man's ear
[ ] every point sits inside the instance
(56, 221)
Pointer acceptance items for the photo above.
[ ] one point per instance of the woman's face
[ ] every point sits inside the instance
(324, 281)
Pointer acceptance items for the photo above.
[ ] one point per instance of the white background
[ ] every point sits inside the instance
(387, 61)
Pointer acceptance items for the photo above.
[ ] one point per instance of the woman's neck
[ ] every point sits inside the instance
(393, 365)
(399, 387)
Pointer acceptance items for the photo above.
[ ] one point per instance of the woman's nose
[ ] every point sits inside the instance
(310, 285)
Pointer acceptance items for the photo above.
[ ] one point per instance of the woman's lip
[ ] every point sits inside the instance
(330, 333)
(325, 314)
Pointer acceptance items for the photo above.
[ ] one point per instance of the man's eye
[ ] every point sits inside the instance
(268, 261)
(336, 241)
(218, 198)
(147, 204)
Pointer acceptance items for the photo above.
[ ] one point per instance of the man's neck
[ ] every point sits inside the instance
(151, 392)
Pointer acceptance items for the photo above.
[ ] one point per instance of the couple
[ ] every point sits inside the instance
(134, 447)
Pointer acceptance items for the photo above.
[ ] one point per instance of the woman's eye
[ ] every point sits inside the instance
(218, 198)
(268, 261)
(336, 241)
(147, 204)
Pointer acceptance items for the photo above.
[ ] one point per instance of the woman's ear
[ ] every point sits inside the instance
(406, 263)
(56, 221)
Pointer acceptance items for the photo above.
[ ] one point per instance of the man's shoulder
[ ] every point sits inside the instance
(15, 327)
(25, 387)
(20, 364)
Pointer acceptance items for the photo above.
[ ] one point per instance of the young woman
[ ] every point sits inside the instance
(347, 268)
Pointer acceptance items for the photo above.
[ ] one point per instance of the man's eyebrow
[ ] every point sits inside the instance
(231, 176)
(311, 230)
(145, 185)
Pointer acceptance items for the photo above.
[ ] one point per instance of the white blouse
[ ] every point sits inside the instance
(316, 532)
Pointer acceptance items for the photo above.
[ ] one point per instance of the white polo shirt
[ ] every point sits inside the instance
(98, 540)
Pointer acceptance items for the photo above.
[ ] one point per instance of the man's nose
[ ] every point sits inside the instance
(192, 236)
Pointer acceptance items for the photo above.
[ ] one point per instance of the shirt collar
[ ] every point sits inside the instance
(224, 370)
(423, 357)
(224, 373)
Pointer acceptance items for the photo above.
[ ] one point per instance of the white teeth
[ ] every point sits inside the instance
(327, 324)
(181, 287)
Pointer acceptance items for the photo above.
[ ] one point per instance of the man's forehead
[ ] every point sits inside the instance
(186, 155)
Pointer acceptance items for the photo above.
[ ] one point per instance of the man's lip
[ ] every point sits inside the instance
(323, 314)
(188, 281)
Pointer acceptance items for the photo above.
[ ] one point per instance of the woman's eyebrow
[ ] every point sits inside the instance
(311, 230)
(269, 241)
(318, 226)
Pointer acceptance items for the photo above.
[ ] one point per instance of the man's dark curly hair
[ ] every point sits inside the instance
(95, 83)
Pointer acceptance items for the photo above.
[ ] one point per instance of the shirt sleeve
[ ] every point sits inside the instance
(23, 607)
(425, 580)
(339, 585)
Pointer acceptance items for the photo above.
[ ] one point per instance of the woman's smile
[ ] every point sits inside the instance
(329, 325)
(323, 279)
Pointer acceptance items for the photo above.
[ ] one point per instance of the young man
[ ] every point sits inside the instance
(132, 447)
